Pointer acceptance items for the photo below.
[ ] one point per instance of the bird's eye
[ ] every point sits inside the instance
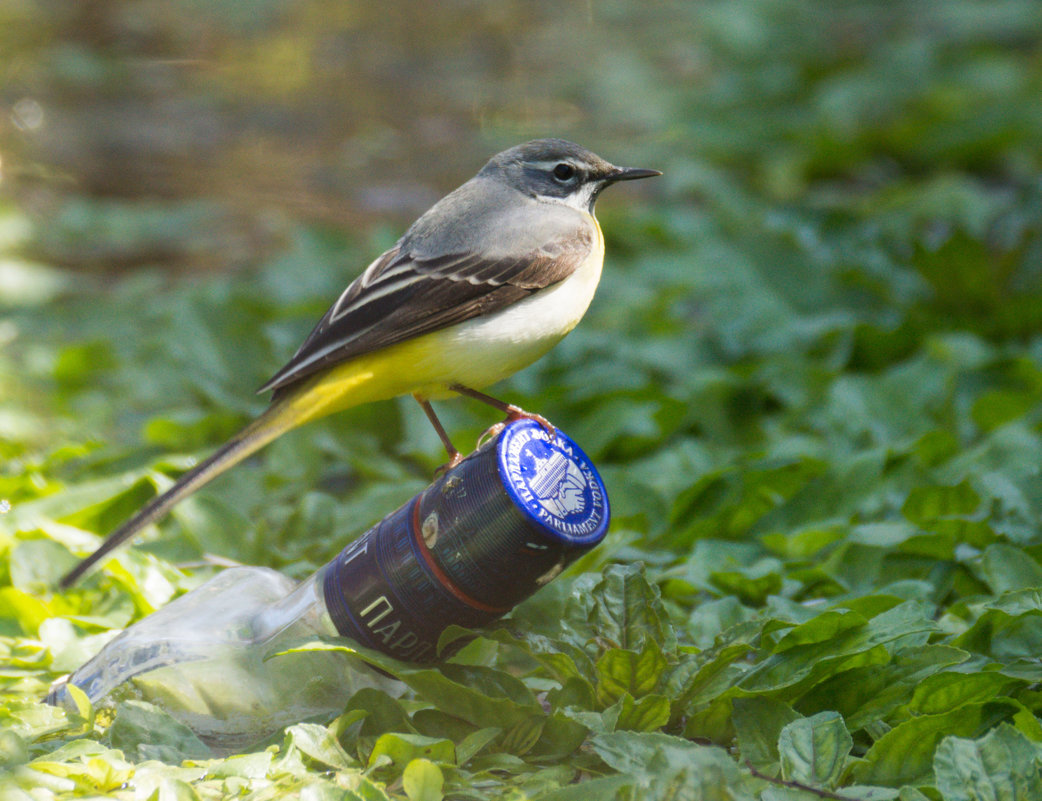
(564, 173)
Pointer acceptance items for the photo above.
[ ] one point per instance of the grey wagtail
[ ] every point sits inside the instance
(484, 283)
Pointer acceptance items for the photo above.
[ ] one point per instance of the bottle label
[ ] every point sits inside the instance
(380, 592)
(479, 540)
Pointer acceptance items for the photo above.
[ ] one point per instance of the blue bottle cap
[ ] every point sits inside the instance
(553, 483)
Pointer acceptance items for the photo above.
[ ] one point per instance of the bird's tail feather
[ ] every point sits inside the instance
(276, 420)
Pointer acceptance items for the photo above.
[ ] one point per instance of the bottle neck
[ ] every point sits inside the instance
(303, 607)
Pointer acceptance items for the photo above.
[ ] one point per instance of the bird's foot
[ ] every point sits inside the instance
(455, 457)
(516, 413)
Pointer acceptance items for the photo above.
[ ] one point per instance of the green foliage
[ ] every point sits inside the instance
(812, 379)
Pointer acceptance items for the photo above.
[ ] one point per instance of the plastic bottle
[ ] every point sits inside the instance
(466, 550)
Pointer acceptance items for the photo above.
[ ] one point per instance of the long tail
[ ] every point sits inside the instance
(276, 420)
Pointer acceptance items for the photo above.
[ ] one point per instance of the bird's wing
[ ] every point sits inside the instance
(402, 295)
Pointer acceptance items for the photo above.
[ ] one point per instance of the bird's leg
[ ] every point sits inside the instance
(455, 457)
(512, 412)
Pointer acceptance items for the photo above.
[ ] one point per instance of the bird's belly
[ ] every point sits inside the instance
(484, 350)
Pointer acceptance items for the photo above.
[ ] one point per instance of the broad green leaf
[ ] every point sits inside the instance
(1006, 569)
(826, 627)
(618, 786)
(873, 693)
(317, 743)
(147, 732)
(422, 781)
(20, 612)
(949, 690)
(621, 608)
(484, 697)
(855, 647)
(648, 713)
(751, 584)
(659, 761)
(1009, 629)
(697, 678)
(625, 672)
(473, 705)
(905, 753)
(814, 750)
(995, 408)
(524, 734)
(13, 750)
(242, 766)
(400, 749)
(1002, 765)
(560, 737)
(562, 660)
(382, 713)
(758, 723)
(925, 505)
(475, 742)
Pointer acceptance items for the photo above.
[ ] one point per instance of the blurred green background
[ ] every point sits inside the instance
(187, 185)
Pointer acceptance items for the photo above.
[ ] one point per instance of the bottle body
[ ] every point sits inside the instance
(208, 659)
(481, 538)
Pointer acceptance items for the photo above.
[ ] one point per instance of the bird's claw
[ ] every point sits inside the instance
(516, 413)
(454, 459)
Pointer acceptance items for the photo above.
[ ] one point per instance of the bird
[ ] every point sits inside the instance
(485, 282)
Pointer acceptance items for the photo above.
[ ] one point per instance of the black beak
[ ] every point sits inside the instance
(631, 174)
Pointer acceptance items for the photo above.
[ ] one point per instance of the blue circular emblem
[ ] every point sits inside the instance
(553, 482)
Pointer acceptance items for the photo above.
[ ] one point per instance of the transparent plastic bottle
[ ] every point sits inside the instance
(470, 547)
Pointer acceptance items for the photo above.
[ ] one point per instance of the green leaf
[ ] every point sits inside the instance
(826, 649)
(1003, 765)
(904, 755)
(698, 678)
(382, 713)
(524, 734)
(814, 750)
(1010, 628)
(867, 694)
(997, 407)
(925, 505)
(620, 608)
(758, 723)
(659, 761)
(14, 750)
(475, 742)
(144, 731)
(422, 781)
(1006, 568)
(625, 672)
(648, 713)
(318, 744)
(20, 612)
(400, 749)
(949, 690)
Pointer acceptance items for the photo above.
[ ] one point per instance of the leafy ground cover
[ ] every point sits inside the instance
(812, 380)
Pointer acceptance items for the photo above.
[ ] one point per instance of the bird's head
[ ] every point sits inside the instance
(559, 171)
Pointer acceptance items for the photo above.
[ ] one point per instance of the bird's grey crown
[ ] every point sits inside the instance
(547, 150)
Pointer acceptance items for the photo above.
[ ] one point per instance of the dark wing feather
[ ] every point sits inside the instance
(402, 296)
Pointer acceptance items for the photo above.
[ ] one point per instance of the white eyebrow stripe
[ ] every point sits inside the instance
(550, 164)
